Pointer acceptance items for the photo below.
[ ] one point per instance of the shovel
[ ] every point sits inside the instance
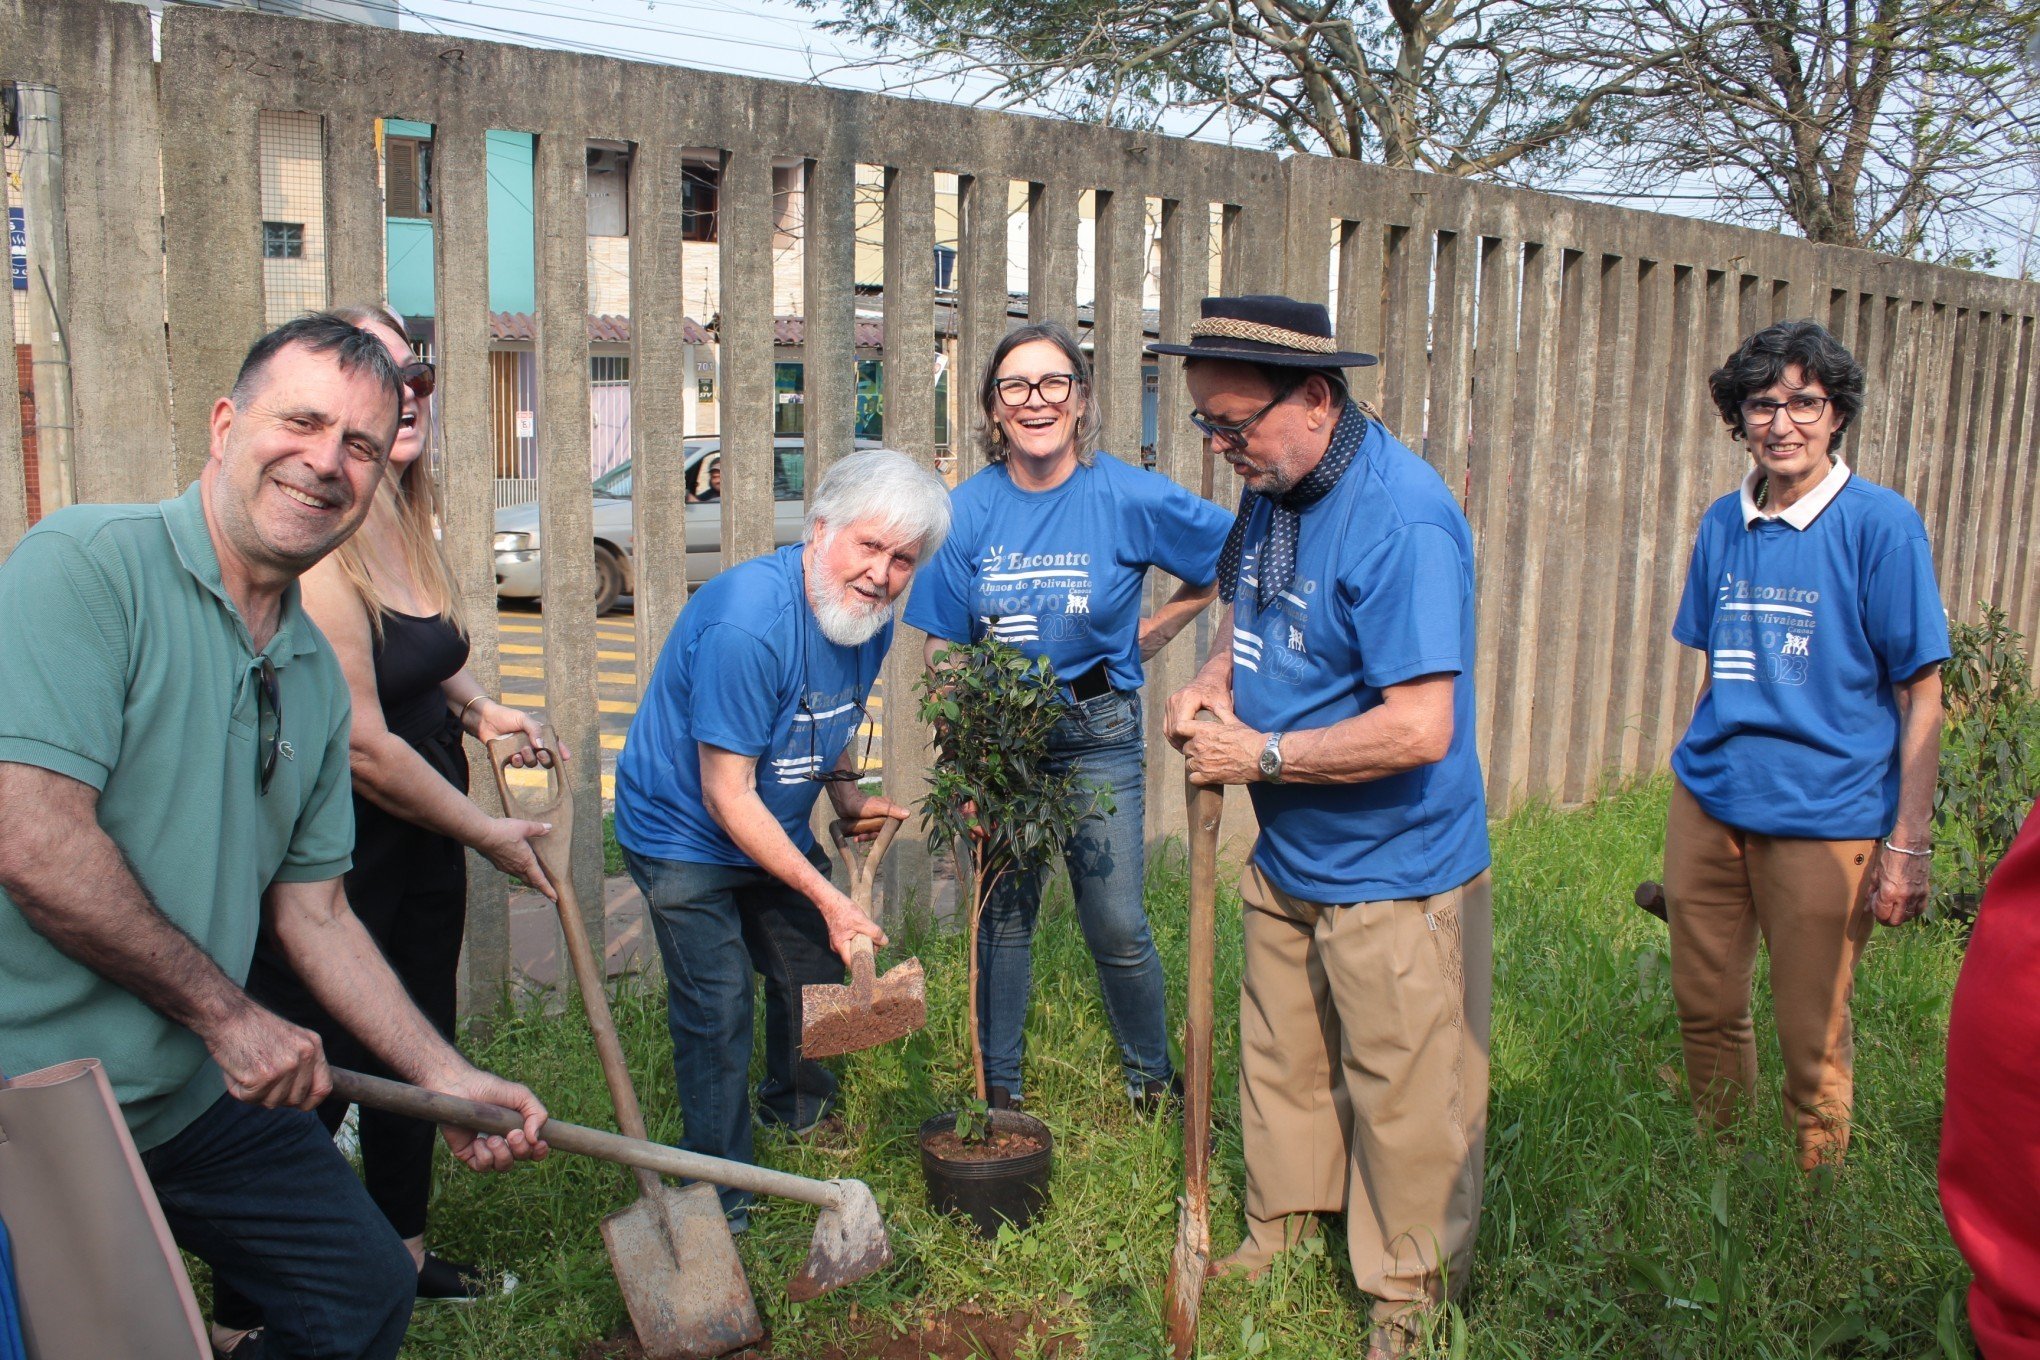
(671, 1250)
(1193, 1220)
(871, 1010)
(850, 1240)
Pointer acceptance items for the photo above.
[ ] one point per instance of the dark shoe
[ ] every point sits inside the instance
(999, 1098)
(1156, 1096)
(441, 1281)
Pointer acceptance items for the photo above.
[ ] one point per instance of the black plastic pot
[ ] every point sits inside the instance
(1013, 1190)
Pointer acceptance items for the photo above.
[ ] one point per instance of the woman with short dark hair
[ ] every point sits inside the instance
(1050, 551)
(1804, 790)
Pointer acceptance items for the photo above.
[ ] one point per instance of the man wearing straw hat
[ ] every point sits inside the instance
(1342, 679)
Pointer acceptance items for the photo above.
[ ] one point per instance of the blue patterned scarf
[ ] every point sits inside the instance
(1278, 549)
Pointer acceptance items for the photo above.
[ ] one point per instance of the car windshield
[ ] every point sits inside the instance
(615, 482)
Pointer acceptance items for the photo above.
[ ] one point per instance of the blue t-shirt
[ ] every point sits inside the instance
(1806, 630)
(1058, 573)
(1383, 594)
(746, 669)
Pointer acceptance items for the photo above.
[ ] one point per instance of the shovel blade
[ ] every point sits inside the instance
(1187, 1267)
(849, 1243)
(833, 1023)
(682, 1282)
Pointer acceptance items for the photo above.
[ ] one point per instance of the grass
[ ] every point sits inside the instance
(1611, 1228)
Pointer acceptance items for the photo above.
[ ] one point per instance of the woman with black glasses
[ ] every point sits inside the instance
(1050, 552)
(1804, 793)
(386, 602)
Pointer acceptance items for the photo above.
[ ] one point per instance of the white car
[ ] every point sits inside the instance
(517, 537)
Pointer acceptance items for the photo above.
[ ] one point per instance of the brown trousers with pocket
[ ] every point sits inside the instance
(1364, 1077)
(1807, 899)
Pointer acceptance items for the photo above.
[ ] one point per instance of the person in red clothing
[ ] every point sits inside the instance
(1990, 1132)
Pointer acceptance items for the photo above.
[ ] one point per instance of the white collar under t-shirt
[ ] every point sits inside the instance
(1801, 512)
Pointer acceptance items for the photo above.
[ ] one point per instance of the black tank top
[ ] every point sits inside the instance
(415, 656)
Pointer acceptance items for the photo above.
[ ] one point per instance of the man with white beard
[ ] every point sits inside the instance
(756, 705)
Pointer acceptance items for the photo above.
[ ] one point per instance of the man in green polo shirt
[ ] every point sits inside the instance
(174, 778)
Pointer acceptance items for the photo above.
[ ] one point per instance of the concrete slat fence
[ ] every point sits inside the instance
(1548, 357)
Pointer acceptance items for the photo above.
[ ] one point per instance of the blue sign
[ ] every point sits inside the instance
(17, 248)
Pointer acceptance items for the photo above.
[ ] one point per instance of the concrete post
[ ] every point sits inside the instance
(42, 208)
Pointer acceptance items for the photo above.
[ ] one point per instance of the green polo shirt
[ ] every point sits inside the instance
(126, 667)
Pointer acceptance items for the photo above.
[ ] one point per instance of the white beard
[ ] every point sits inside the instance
(846, 625)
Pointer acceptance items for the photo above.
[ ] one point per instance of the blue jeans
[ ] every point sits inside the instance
(1100, 739)
(716, 925)
(266, 1200)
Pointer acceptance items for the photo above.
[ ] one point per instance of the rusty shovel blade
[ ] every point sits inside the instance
(867, 1012)
(677, 1267)
(1187, 1268)
(850, 1242)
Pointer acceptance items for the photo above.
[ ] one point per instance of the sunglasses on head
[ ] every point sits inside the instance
(420, 376)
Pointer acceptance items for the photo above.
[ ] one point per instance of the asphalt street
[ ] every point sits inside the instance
(521, 626)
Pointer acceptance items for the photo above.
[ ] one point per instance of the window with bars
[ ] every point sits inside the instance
(283, 240)
(407, 176)
(292, 150)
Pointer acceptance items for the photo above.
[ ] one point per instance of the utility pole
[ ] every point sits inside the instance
(42, 207)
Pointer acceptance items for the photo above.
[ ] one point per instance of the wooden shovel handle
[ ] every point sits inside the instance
(863, 864)
(555, 853)
(1206, 807)
(554, 804)
(652, 1158)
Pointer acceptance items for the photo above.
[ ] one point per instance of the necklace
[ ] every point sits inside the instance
(1763, 491)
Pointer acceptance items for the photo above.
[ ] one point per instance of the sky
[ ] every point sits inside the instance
(779, 39)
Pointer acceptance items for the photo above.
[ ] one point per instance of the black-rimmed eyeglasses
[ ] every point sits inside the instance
(1055, 389)
(1235, 436)
(269, 711)
(1803, 408)
(815, 773)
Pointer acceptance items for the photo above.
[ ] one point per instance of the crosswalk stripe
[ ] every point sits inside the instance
(538, 673)
(538, 701)
(522, 778)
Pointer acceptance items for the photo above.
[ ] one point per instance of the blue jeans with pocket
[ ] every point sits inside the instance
(716, 925)
(266, 1200)
(1102, 740)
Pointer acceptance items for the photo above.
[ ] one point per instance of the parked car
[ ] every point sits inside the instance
(517, 535)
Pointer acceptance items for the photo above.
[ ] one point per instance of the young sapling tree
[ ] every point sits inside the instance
(992, 798)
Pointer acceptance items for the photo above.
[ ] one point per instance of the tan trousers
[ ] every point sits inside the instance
(1364, 1077)
(1723, 888)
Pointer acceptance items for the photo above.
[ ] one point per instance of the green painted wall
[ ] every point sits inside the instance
(512, 279)
(409, 242)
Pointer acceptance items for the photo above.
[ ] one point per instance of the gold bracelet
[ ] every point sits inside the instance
(462, 718)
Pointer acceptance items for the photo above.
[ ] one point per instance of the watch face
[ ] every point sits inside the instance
(1271, 760)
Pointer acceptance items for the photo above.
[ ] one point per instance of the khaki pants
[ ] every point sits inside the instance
(1364, 1077)
(1723, 888)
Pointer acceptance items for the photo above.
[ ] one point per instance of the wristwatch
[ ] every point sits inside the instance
(1271, 758)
